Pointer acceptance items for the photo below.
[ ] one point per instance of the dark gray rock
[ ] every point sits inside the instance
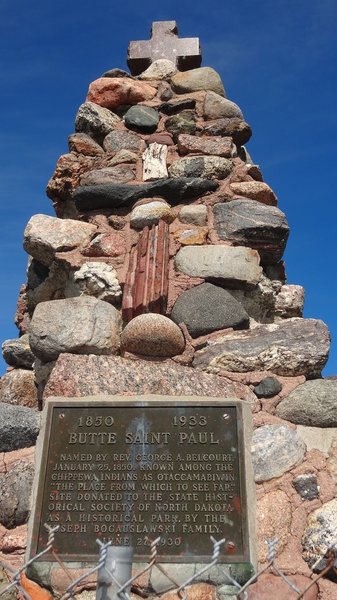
(210, 167)
(314, 403)
(275, 450)
(92, 197)
(306, 486)
(176, 106)
(184, 122)
(251, 223)
(95, 120)
(268, 387)
(206, 308)
(234, 127)
(123, 140)
(117, 73)
(290, 348)
(17, 352)
(117, 174)
(15, 489)
(19, 427)
(142, 118)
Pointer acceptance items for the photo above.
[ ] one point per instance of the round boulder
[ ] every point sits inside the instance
(150, 213)
(206, 308)
(314, 403)
(152, 335)
(142, 118)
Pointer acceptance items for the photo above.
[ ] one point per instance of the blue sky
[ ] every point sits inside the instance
(277, 61)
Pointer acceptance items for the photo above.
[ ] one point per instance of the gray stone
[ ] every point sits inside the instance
(277, 347)
(289, 301)
(216, 107)
(195, 80)
(47, 287)
(152, 335)
(117, 174)
(123, 140)
(93, 197)
(236, 266)
(159, 69)
(259, 302)
(268, 387)
(210, 167)
(206, 308)
(15, 489)
(44, 236)
(96, 279)
(19, 427)
(234, 127)
(320, 534)
(276, 449)
(18, 387)
(312, 403)
(177, 106)
(150, 214)
(256, 225)
(306, 486)
(142, 118)
(117, 73)
(82, 325)
(17, 352)
(91, 375)
(95, 120)
(319, 438)
(184, 122)
(193, 214)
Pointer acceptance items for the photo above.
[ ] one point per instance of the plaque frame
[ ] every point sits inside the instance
(247, 486)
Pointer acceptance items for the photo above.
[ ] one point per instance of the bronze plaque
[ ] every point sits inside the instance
(133, 470)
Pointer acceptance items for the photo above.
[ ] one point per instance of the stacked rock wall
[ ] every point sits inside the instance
(162, 272)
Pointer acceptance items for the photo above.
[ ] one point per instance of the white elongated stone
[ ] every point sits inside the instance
(154, 165)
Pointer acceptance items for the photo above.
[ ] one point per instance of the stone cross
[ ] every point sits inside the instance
(185, 53)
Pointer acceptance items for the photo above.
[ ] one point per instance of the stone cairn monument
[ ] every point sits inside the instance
(161, 273)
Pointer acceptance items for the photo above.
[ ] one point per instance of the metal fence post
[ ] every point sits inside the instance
(118, 563)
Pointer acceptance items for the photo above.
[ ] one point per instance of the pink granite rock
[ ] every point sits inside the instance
(152, 335)
(256, 190)
(271, 586)
(216, 146)
(273, 520)
(18, 387)
(112, 92)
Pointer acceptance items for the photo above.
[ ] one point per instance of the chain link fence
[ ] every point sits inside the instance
(121, 589)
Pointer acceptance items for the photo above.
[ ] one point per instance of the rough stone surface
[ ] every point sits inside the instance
(256, 190)
(195, 80)
(184, 122)
(319, 438)
(112, 92)
(268, 387)
(114, 195)
(272, 586)
(289, 301)
(95, 120)
(320, 532)
(216, 107)
(206, 308)
(150, 213)
(253, 224)
(306, 486)
(152, 335)
(197, 591)
(234, 127)
(4, 581)
(15, 488)
(44, 236)
(210, 167)
(277, 347)
(116, 174)
(82, 325)
(96, 279)
(216, 146)
(90, 375)
(313, 403)
(194, 214)
(18, 387)
(17, 352)
(190, 236)
(273, 521)
(275, 450)
(123, 140)
(81, 143)
(142, 118)
(236, 266)
(159, 69)
(19, 427)
(177, 106)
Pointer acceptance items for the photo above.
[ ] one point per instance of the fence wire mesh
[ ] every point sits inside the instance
(328, 562)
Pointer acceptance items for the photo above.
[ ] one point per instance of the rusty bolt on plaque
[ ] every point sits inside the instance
(230, 547)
